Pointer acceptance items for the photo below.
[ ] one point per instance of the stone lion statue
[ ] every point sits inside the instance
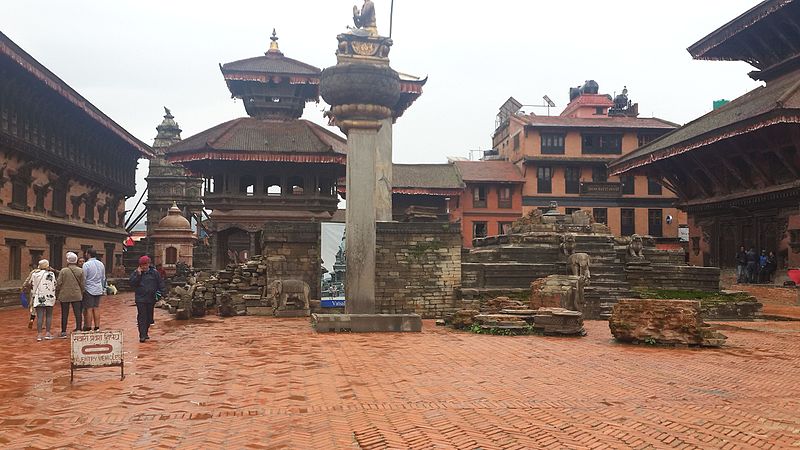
(280, 291)
(568, 244)
(635, 247)
(578, 263)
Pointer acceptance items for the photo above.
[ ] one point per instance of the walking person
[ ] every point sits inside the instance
(147, 284)
(42, 285)
(69, 291)
(762, 267)
(94, 276)
(772, 266)
(741, 264)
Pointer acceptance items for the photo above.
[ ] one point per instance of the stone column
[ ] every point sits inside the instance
(253, 251)
(383, 173)
(362, 146)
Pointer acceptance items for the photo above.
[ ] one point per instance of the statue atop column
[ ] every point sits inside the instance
(365, 19)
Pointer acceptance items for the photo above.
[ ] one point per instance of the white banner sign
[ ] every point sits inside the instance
(96, 348)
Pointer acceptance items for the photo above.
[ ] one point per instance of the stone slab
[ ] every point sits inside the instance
(293, 313)
(366, 323)
(259, 311)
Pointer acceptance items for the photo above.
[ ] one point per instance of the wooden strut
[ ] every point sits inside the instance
(709, 173)
(735, 172)
(692, 178)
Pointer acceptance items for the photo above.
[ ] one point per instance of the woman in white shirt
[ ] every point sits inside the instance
(42, 285)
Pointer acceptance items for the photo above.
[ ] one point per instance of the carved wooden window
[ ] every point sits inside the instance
(272, 186)
(600, 215)
(627, 221)
(504, 197)
(110, 257)
(19, 193)
(56, 244)
(479, 197)
(602, 143)
(171, 255)
(37, 255)
(544, 180)
(655, 222)
(479, 230)
(59, 204)
(552, 144)
(572, 180)
(88, 215)
(296, 185)
(76, 206)
(247, 185)
(653, 186)
(15, 258)
(599, 174)
(628, 185)
(40, 192)
(112, 213)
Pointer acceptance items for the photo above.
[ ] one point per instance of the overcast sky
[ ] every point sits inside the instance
(130, 58)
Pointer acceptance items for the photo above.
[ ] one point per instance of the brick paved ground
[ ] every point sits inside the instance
(272, 383)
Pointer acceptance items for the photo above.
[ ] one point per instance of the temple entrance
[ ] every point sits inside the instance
(234, 245)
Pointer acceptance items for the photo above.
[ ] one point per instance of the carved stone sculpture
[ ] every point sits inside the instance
(365, 19)
(578, 263)
(280, 291)
(635, 247)
(568, 244)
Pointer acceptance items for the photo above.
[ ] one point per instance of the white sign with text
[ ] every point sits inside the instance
(96, 349)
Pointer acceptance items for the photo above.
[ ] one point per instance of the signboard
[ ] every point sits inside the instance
(96, 349)
(598, 189)
(332, 303)
(683, 233)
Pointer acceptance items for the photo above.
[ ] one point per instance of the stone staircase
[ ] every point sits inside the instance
(608, 281)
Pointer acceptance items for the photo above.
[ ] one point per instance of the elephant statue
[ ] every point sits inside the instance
(578, 263)
(281, 290)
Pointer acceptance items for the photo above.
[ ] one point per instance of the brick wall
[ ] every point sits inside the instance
(299, 243)
(417, 268)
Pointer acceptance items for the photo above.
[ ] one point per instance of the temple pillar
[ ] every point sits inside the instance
(215, 252)
(383, 172)
(362, 145)
(253, 251)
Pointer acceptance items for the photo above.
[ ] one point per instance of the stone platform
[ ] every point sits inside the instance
(366, 323)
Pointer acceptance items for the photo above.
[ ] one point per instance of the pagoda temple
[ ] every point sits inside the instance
(271, 177)
(735, 170)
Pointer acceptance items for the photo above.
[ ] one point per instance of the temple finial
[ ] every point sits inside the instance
(273, 46)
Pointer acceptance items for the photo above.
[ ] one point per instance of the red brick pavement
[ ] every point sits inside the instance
(252, 382)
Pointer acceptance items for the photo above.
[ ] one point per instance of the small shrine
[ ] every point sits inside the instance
(173, 241)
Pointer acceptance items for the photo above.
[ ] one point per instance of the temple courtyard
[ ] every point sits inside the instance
(258, 382)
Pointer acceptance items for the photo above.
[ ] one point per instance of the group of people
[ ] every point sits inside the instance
(79, 286)
(754, 268)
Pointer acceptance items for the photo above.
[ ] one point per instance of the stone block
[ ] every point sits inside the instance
(666, 322)
(259, 311)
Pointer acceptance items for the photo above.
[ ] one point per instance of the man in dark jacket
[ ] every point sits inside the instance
(752, 265)
(741, 265)
(147, 284)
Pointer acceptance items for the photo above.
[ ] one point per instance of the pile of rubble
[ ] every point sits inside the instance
(230, 291)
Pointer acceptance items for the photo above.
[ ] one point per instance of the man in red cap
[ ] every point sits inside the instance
(147, 285)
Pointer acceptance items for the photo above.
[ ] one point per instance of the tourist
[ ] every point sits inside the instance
(94, 276)
(42, 285)
(69, 291)
(741, 264)
(762, 266)
(161, 271)
(751, 269)
(147, 284)
(772, 266)
(81, 260)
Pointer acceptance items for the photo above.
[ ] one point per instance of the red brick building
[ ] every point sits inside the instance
(65, 170)
(563, 158)
(491, 200)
